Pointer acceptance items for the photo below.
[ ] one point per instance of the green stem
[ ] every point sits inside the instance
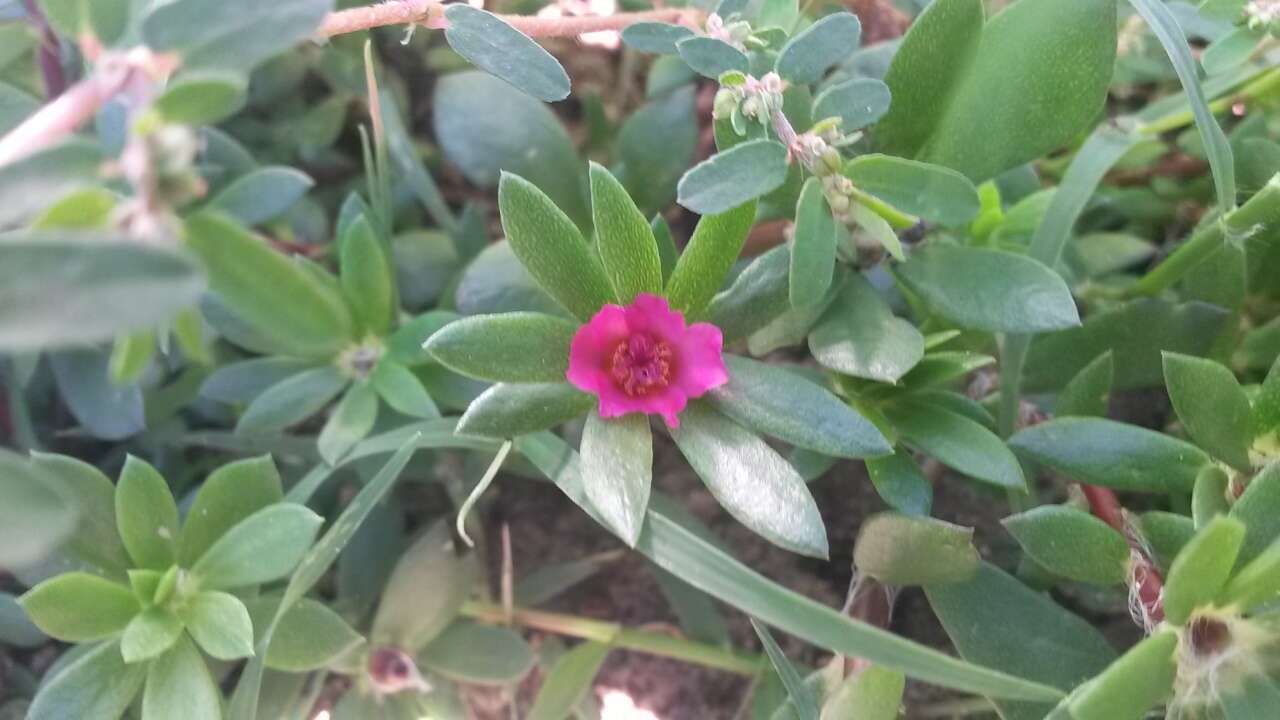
(1261, 211)
(618, 636)
(1259, 87)
(897, 219)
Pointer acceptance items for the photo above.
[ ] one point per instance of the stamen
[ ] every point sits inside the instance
(641, 365)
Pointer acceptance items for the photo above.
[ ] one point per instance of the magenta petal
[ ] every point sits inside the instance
(592, 347)
(702, 365)
(644, 359)
(652, 314)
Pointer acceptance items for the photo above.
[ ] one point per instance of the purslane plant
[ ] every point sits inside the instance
(942, 207)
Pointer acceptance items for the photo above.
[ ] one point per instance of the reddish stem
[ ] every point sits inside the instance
(1144, 576)
(55, 80)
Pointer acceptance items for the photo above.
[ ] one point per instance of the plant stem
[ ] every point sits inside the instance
(1261, 211)
(1259, 87)
(431, 14)
(1144, 577)
(618, 636)
(55, 80)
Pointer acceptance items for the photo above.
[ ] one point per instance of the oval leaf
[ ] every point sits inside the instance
(985, 289)
(736, 176)
(492, 45)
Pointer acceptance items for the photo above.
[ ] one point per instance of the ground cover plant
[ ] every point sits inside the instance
(743, 359)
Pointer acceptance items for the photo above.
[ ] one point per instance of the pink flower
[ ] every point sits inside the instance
(642, 358)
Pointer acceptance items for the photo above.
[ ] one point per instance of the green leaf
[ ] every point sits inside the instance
(37, 513)
(1257, 583)
(130, 356)
(860, 336)
(33, 183)
(758, 296)
(1132, 685)
(711, 57)
(957, 442)
(551, 248)
(1135, 333)
(263, 547)
(751, 480)
(508, 410)
(179, 685)
(104, 409)
(998, 96)
(1111, 454)
(484, 128)
(1212, 406)
(899, 482)
(426, 589)
(655, 146)
(617, 459)
(1231, 50)
(912, 550)
(1201, 570)
(777, 402)
(1088, 393)
(655, 37)
(16, 629)
(244, 701)
(494, 46)
(1165, 27)
(511, 347)
(627, 248)
(1166, 533)
(1257, 509)
(858, 103)
(992, 290)
(811, 52)
(990, 618)
(1209, 496)
(150, 633)
(146, 515)
(234, 35)
(351, 421)
(95, 540)
(230, 494)
(98, 684)
(15, 106)
(1256, 696)
(802, 701)
(201, 98)
(403, 391)
(813, 248)
(62, 289)
(478, 654)
(367, 282)
(261, 195)
(309, 636)
(707, 259)
(704, 566)
(931, 64)
(240, 382)
(220, 624)
(274, 295)
(292, 400)
(568, 681)
(79, 607)
(1071, 543)
(738, 175)
(874, 693)
(932, 192)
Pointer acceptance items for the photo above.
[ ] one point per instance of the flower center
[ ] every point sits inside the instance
(641, 365)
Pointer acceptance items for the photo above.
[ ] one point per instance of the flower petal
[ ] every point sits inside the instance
(700, 360)
(593, 346)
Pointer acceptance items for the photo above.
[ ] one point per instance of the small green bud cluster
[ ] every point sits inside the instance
(744, 98)
(734, 32)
